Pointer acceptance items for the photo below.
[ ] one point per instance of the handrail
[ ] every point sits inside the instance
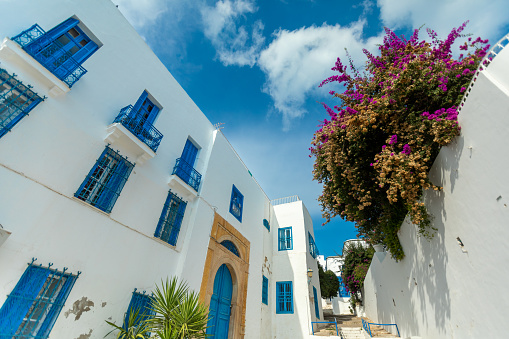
(187, 173)
(325, 322)
(285, 200)
(367, 327)
(142, 129)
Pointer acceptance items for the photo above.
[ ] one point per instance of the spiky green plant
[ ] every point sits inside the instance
(134, 327)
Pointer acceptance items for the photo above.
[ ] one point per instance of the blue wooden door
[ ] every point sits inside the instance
(220, 304)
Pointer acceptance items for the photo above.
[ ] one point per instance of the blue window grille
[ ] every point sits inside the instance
(231, 247)
(343, 292)
(141, 304)
(284, 302)
(265, 291)
(105, 181)
(313, 249)
(139, 121)
(16, 101)
(236, 203)
(317, 310)
(61, 50)
(266, 224)
(184, 166)
(170, 221)
(285, 239)
(32, 308)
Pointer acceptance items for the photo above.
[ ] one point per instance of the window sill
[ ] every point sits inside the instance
(179, 187)
(90, 206)
(11, 51)
(165, 244)
(4, 234)
(119, 135)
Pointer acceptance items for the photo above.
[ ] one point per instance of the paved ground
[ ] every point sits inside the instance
(349, 322)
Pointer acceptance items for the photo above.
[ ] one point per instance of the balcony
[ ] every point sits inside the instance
(50, 54)
(187, 173)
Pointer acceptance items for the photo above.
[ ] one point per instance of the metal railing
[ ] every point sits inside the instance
(50, 53)
(187, 173)
(285, 200)
(325, 322)
(367, 327)
(138, 126)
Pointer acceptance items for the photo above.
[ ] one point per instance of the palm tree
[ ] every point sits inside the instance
(133, 328)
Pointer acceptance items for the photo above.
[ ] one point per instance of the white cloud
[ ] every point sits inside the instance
(297, 61)
(141, 12)
(233, 43)
(487, 18)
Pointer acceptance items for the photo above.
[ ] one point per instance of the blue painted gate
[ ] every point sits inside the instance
(220, 303)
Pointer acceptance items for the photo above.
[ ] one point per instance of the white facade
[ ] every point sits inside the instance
(340, 305)
(46, 157)
(455, 285)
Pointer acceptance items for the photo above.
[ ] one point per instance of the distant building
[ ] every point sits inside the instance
(112, 179)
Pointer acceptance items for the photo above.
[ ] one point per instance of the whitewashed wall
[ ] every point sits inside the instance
(440, 289)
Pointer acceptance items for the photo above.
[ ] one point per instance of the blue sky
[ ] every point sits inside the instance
(255, 66)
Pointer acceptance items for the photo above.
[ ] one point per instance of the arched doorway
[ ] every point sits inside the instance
(220, 304)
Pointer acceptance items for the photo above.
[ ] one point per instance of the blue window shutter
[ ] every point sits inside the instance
(189, 153)
(57, 306)
(317, 311)
(108, 196)
(59, 30)
(153, 114)
(85, 52)
(141, 303)
(281, 238)
(265, 291)
(138, 103)
(19, 301)
(178, 222)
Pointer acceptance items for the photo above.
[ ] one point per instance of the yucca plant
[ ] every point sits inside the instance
(135, 326)
(179, 313)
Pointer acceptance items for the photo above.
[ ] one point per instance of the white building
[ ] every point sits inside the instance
(118, 180)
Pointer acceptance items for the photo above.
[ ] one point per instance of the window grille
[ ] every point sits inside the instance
(317, 310)
(140, 303)
(284, 297)
(265, 291)
(236, 203)
(313, 249)
(16, 101)
(32, 308)
(105, 181)
(230, 247)
(285, 240)
(170, 221)
(266, 224)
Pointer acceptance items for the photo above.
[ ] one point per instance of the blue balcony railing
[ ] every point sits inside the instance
(50, 53)
(187, 173)
(138, 126)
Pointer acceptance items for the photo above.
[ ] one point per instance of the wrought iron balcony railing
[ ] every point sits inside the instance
(138, 126)
(50, 53)
(187, 173)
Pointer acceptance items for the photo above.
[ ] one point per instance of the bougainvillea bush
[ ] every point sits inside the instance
(374, 153)
(356, 265)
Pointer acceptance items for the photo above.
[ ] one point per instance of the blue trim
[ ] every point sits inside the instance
(236, 203)
(265, 291)
(285, 239)
(103, 184)
(266, 224)
(313, 249)
(343, 293)
(139, 302)
(168, 227)
(317, 310)
(189, 153)
(230, 246)
(32, 308)
(284, 297)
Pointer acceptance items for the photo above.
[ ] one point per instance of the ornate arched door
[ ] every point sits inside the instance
(220, 304)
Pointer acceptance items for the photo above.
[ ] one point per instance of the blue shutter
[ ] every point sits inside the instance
(178, 222)
(265, 291)
(19, 301)
(85, 51)
(153, 115)
(141, 303)
(57, 306)
(104, 202)
(317, 311)
(138, 103)
(189, 153)
(61, 29)
(281, 238)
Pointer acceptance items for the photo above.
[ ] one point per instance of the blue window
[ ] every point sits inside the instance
(285, 240)
(16, 101)
(184, 167)
(140, 304)
(343, 292)
(313, 249)
(317, 310)
(35, 303)
(170, 221)
(139, 120)
(231, 247)
(265, 291)
(284, 302)
(61, 50)
(236, 203)
(266, 224)
(105, 181)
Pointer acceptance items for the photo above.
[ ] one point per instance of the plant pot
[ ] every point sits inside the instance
(379, 247)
